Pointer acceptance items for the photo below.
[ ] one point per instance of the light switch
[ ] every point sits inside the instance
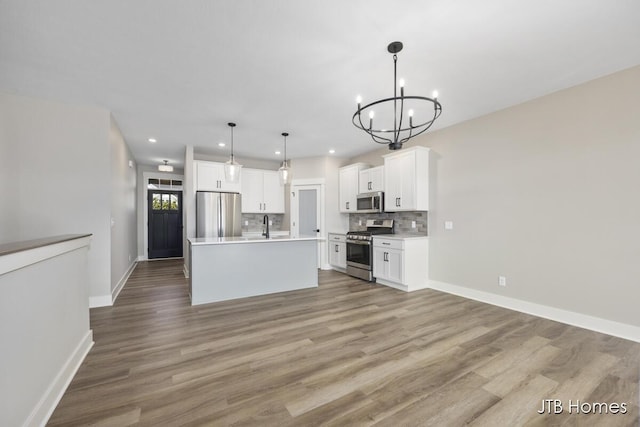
(413, 224)
(448, 225)
(246, 222)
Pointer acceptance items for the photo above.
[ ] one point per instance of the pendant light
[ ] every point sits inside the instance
(232, 168)
(285, 170)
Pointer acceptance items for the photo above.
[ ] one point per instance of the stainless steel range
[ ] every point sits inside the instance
(360, 248)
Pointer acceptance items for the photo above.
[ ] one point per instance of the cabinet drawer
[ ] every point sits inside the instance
(381, 242)
(337, 237)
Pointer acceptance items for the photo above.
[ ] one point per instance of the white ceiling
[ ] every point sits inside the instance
(180, 70)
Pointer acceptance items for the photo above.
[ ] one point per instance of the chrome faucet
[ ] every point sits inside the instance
(265, 229)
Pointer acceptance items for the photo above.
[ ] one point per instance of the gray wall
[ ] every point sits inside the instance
(61, 172)
(546, 194)
(65, 170)
(123, 207)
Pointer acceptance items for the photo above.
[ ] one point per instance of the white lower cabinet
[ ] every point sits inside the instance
(337, 251)
(401, 262)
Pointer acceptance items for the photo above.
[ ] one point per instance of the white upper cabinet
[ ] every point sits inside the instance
(349, 186)
(261, 191)
(371, 179)
(406, 180)
(210, 177)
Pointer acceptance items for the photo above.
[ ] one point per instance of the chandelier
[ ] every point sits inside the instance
(401, 131)
(285, 170)
(231, 167)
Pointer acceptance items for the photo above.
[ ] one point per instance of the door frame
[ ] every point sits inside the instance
(143, 215)
(300, 184)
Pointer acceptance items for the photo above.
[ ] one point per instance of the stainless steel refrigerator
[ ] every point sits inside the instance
(218, 214)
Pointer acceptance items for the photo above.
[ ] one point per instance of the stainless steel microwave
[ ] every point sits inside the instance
(370, 202)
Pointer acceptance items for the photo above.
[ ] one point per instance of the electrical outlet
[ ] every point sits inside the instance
(246, 222)
(359, 222)
(502, 281)
(413, 224)
(448, 225)
(270, 223)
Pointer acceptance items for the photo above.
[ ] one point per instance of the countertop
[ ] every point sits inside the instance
(195, 241)
(25, 245)
(402, 236)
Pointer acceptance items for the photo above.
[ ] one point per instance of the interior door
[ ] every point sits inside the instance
(305, 213)
(165, 224)
(308, 212)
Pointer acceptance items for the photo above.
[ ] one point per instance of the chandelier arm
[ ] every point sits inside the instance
(427, 125)
(379, 140)
(360, 120)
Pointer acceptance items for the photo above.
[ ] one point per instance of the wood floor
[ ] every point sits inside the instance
(346, 354)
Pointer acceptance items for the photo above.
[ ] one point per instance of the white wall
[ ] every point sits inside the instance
(44, 328)
(546, 194)
(123, 209)
(61, 170)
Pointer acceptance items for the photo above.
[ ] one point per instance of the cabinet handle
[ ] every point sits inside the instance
(385, 256)
(347, 205)
(369, 185)
(386, 243)
(336, 248)
(265, 206)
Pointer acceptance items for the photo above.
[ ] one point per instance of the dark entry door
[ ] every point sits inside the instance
(165, 224)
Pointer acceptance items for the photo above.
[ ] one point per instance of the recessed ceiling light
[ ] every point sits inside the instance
(221, 144)
(332, 151)
(152, 140)
(277, 152)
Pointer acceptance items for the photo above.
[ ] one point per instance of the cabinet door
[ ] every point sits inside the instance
(273, 200)
(337, 255)
(207, 178)
(380, 267)
(364, 181)
(392, 183)
(341, 260)
(376, 178)
(252, 182)
(235, 187)
(408, 182)
(348, 189)
(395, 265)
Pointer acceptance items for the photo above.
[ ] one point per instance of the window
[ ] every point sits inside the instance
(164, 184)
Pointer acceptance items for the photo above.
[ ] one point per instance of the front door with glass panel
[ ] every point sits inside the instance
(165, 223)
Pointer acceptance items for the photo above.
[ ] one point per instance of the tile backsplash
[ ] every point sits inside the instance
(401, 221)
(255, 222)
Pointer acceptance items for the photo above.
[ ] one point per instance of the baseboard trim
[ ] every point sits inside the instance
(100, 301)
(185, 271)
(116, 291)
(51, 397)
(597, 324)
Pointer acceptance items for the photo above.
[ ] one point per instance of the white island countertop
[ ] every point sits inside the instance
(196, 241)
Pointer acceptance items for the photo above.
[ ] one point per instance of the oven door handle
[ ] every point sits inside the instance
(358, 242)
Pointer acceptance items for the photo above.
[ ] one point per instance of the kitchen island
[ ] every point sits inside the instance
(225, 268)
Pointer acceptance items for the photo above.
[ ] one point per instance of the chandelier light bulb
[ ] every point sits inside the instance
(435, 94)
(358, 99)
(371, 114)
(401, 82)
(410, 113)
